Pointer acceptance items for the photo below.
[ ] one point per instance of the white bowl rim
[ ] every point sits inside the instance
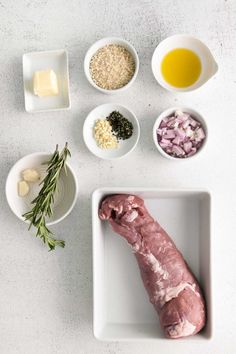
(133, 52)
(166, 113)
(169, 87)
(136, 141)
(34, 154)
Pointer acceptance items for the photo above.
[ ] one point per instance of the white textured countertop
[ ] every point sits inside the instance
(46, 298)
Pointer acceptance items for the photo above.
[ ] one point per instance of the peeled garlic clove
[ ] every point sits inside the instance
(23, 188)
(30, 175)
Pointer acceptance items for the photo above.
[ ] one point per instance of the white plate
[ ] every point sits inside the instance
(125, 146)
(57, 60)
(121, 307)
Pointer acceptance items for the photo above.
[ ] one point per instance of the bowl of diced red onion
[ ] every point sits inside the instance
(180, 133)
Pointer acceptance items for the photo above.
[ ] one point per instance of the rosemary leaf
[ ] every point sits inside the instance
(43, 202)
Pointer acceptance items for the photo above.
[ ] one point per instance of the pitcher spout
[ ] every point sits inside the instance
(214, 68)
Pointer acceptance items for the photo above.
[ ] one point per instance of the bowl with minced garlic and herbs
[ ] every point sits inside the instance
(111, 131)
(111, 65)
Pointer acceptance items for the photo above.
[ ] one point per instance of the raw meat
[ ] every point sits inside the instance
(172, 288)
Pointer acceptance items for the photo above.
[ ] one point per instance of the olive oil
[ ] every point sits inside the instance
(181, 67)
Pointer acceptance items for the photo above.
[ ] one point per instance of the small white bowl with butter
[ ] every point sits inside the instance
(46, 81)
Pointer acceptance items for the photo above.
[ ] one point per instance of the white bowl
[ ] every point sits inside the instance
(167, 113)
(209, 66)
(57, 60)
(101, 43)
(65, 197)
(125, 146)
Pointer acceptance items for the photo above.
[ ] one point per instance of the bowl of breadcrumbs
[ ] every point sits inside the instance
(111, 65)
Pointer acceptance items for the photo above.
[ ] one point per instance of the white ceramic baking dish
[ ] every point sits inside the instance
(121, 307)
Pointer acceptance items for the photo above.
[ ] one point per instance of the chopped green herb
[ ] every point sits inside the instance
(122, 128)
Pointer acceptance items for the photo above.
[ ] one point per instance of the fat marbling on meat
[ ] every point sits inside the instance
(171, 286)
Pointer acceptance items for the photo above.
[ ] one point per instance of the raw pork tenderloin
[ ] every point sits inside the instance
(172, 288)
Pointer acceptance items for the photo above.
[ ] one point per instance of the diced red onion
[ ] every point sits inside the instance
(163, 124)
(169, 134)
(176, 140)
(193, 122)
(198, 145)
(165, 143)
(186, 124)
(165, 120)
(171, 123)
(187, 147)
(178, 113)
(185, 116)
(199, 134)
(180, 135)
(160, 132)
(192, 152)
(189, 132)
(178, 150)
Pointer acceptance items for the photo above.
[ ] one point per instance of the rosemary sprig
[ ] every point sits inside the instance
(43, 202)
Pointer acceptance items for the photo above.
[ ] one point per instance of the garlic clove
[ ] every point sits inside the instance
(30, 175)
(23, 188)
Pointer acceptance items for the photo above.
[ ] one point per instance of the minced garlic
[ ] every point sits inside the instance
(103, 135)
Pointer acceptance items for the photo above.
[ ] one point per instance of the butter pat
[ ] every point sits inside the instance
(45, 83)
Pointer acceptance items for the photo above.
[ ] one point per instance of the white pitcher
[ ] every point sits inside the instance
(209, 66)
